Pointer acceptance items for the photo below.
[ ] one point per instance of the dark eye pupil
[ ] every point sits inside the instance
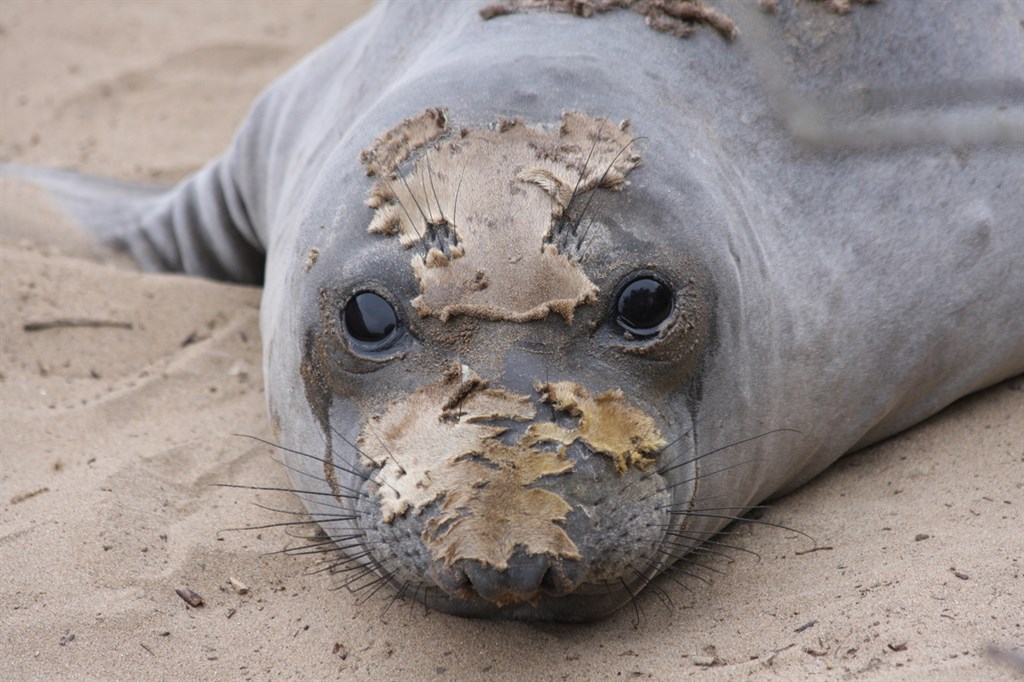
(643, 305)
(369, 318)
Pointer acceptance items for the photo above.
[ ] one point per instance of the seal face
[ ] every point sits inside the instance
(494, 483)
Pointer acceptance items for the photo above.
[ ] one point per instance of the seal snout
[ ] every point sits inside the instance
(494, 505)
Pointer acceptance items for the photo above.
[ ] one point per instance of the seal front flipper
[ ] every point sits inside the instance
(200, 226)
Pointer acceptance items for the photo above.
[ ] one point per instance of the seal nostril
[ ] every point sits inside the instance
(521, 581)
(550, 583)
(453, 580)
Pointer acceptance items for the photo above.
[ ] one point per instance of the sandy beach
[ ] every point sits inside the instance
(115, 433)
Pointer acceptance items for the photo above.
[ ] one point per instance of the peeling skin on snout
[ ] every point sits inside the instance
(437, 446)
(607, 425)
(480, 207)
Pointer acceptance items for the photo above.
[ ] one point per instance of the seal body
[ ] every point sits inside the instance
(549, 300)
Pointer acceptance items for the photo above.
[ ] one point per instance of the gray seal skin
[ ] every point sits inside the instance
(831, 205)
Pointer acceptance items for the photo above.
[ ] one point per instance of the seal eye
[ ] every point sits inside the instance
(643, 306)
(370, 319)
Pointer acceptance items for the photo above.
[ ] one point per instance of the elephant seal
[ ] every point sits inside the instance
(549, 299)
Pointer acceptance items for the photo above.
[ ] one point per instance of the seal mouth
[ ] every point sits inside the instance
(496, 513)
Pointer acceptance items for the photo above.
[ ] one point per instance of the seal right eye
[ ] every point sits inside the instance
(370, 319)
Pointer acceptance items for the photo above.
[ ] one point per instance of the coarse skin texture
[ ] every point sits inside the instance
(857, 492)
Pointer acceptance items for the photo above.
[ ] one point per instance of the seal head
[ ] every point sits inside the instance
(515, 456)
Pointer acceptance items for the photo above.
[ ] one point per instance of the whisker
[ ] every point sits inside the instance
(647, 474)
(381, 441)
(604, 176)
(319, 542)
(649, 584)
(708, 474)
(398, 595)
(310, 549)
(730, 517)
(672, 569)
(738, 507)
(351, 583)
(698, 545)
(426, 249)
(633, 600)
(688, 558)
(381, 582)
(372, 571)
(688, 548)
(667, 469)
(346, 441)
(433, 189)
(458, 188)
(298, 513)
(580, 242)
(283, 524)
(586, 164)
(319, 479)
(378, 481)
(296, 491)
(426, 219)
(336, 567)
(307, 455)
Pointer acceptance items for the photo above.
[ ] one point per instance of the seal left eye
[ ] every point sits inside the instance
(643, 305)
(369, 318)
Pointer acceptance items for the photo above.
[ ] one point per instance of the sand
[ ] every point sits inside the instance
(114, 438)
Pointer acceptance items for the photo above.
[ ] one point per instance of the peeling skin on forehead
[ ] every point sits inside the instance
(482, 208)
(677, 17)
(436, 446)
